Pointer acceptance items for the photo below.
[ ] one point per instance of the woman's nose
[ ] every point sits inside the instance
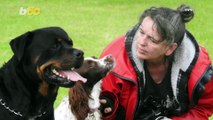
(142, 40)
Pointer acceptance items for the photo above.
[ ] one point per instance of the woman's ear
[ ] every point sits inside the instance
(171, 48)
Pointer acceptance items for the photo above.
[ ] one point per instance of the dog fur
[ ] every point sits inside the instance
(82, 102)
(28, 83)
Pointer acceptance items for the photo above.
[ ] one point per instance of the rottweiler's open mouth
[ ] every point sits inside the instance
(62, 77)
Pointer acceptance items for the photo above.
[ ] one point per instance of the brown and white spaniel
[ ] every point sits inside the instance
(82, 102)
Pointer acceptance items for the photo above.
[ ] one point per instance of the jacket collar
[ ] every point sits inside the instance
(184, 58)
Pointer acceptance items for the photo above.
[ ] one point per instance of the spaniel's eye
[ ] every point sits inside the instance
(90, 64)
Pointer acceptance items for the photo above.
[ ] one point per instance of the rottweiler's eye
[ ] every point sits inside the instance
(56, 46)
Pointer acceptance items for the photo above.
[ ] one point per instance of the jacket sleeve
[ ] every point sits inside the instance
(204, 108)
(110, 88)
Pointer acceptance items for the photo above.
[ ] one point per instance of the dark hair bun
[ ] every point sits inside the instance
(186, 13)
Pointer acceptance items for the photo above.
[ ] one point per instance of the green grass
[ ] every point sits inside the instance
(92, 24)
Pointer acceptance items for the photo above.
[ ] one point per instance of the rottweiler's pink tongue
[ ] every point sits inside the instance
(72, 75)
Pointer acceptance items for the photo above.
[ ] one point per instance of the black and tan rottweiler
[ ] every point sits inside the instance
(43, 60)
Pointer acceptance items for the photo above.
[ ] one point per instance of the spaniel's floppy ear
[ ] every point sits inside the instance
(19, 44)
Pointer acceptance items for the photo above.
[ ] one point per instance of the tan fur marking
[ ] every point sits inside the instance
(43, 88)
(36, 59)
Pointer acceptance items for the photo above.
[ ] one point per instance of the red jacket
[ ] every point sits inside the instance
(122, 83)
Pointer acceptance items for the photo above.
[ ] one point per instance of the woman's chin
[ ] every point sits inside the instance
(141, 56)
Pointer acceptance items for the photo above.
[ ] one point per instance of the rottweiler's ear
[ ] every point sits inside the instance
(19, 43)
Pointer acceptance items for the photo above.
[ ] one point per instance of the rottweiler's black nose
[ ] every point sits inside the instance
(78, 53)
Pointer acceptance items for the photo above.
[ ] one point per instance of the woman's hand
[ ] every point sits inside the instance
(107, 105)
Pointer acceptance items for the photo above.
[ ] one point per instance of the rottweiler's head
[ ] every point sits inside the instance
(48, 55)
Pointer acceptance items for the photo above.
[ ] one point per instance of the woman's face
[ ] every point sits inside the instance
(149, 43)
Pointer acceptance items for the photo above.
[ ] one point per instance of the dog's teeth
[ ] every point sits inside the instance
(57, 73)
(62, 76)
(54, 71)
(72, 68)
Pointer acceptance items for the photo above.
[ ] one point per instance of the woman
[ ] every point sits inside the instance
(161, 72)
